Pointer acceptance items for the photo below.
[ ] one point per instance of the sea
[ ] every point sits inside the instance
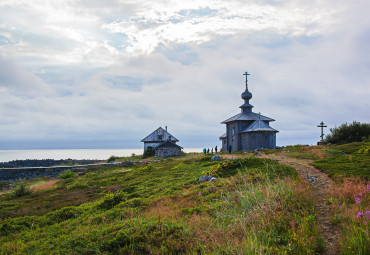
(93, 154)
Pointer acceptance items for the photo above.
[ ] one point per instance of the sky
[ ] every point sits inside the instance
(105, 74)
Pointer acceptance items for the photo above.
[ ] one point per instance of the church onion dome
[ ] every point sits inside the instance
(246, 95)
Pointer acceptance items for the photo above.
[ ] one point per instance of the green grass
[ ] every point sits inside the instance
(346, 160)
(255, 206)
(300, 151)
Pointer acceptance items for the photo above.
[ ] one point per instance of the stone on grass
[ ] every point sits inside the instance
(206, 178)
(215, 158)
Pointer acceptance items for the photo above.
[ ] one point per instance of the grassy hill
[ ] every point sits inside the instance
(338, 161)
(258, 206)
(255, 206)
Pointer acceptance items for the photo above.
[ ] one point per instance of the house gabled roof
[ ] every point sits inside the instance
(168, 144)
(247, 116)
(259, 126)
(159, 133)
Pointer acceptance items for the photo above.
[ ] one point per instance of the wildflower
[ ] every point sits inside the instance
(360, 214)
(360, 194)
(367, 214)
(358, 201)
(200, 193)
(368, 187)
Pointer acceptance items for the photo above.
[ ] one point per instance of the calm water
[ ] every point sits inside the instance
(99, 154)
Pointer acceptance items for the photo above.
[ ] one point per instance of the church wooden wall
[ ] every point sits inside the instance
(258, 140)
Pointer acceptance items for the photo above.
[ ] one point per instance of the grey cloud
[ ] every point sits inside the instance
(19, 81)
(183, 53)
(297, 79)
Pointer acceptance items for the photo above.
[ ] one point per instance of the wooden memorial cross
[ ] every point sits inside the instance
(322, 130)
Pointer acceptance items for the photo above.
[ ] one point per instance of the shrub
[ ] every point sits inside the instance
(149, 152)
(205, 158)
(66, 213)
(231, 167)
(111, 200)
(18, 224)
(111, 159)
(348, 133)
(67, 174)
(21, 189)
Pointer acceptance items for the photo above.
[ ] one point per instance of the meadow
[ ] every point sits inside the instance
(255, 206)
(349, 200)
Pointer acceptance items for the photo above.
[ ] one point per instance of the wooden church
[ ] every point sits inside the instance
(248, 130)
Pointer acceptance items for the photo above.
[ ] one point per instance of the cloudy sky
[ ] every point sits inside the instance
(104, 74)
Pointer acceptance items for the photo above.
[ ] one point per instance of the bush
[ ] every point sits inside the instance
(149, 152)
(348, 133)
(67, 174)
(111, 200)
(66, 213)
(112, 159)
(21, 189)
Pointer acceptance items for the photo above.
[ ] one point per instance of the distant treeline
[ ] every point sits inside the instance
(44, 163)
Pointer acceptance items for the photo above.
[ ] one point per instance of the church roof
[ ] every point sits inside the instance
(159, 135)
(259, 126)
(247, 116)
(223, 136)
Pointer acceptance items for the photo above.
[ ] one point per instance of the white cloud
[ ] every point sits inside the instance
(116, 70)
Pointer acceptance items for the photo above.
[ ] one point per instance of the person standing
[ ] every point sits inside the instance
(230, 148)
(216, 149)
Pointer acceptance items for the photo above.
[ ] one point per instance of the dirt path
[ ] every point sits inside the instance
(47, 185)
(320, 184)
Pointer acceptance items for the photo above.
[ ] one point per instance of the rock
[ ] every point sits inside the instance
(127, 163)
(215, 158)
(206, 178)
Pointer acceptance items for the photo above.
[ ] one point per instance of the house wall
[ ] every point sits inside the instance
(232, 136)
(258, 140)
(147, 144)
(164, 152)
(236, 143)
(223, 144)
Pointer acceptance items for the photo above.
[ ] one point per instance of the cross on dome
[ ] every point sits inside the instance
(246, 78)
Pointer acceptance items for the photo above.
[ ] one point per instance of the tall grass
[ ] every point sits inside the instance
(257, 206)
(259, 215)
(350, 210)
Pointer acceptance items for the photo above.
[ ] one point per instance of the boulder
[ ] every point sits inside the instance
(215, 158)
(206, 178)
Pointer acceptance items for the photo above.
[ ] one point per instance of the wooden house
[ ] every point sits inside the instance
(163, 143)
